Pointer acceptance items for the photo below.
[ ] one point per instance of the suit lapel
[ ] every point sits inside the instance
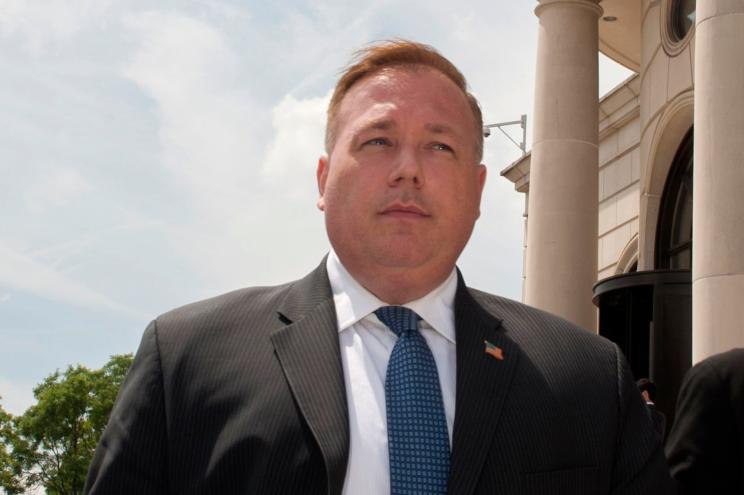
(483, 383)
(308, 352)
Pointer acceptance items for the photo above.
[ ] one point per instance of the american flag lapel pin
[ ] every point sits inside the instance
(494, 351)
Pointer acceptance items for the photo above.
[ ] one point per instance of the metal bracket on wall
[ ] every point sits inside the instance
(523, 124)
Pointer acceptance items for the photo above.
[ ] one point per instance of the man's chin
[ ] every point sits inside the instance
(405, 258)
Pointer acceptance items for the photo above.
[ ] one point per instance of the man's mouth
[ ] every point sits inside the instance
(400, 210)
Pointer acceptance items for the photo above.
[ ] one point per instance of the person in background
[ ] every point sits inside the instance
(648, 392)
(705, 447)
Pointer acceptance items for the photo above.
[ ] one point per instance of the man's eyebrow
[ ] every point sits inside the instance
(440, 129)
(382, 124)
(377, 125)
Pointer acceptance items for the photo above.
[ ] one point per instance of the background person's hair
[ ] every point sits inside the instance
(398, 53)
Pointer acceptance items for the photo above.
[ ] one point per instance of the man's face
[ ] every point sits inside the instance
(401, 188)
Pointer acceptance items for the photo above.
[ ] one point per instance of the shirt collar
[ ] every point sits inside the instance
(353, 302)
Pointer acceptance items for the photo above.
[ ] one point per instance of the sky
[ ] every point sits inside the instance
(154, 153)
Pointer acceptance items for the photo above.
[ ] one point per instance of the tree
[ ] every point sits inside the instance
(54, 440)
(10, 469)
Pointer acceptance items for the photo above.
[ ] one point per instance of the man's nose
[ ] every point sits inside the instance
(407, 166)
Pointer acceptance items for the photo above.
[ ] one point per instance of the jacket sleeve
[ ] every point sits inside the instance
(697, 449)
(640, 466)
(131, 456)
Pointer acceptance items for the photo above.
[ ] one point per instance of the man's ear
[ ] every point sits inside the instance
(482, 173)
(322, 175)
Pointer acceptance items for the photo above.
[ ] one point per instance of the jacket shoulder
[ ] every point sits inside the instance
(232, 313)
(245, 300)
(522, 321)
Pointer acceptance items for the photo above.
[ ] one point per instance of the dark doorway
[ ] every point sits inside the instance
(649, 316)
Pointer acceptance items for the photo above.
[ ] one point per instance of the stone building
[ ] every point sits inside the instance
(635, 202)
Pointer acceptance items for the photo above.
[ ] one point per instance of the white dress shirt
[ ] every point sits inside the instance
(366, 344)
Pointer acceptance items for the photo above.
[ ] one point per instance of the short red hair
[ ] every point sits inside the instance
(396, 53)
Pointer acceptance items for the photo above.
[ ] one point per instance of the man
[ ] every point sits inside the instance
(706, 443)
(381, 372)
(648, 392)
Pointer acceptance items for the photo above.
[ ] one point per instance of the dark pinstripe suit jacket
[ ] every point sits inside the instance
(244, 393)
(706, 444)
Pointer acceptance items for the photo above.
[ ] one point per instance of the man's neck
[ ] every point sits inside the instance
(398, 286)
(397, 289)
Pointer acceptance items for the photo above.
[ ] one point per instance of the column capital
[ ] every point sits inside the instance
(592, 5)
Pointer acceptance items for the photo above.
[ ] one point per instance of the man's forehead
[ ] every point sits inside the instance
(394, 80)
(382, 117)
(374, 101)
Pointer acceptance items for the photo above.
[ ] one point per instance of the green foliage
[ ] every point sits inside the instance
(52, 443)
(10, 469)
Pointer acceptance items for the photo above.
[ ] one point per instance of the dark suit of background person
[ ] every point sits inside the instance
(244, 393)
(705, 447)
(648, 392)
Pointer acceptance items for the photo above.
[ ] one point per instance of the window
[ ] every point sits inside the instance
(674, 231)
(683, 17)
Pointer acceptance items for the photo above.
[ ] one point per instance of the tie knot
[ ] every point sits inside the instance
(398, 319)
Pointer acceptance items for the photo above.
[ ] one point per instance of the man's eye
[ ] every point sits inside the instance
(441, 147)
(378, 142)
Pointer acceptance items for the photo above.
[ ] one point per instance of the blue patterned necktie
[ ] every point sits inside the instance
(418, 443)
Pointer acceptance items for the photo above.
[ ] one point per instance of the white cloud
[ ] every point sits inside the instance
(299, 126)
(206, 121)
(178, 56)
(56, 188)
(22, 272)
(212, 135)
(40, 24)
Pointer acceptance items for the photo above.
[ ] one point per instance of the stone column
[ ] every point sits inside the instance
(563, 201)
(718, 191)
